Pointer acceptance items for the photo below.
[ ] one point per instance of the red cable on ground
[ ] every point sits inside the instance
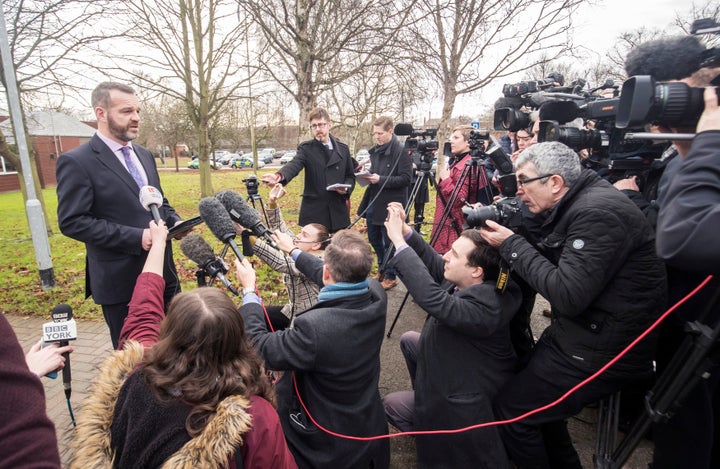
(527, 414)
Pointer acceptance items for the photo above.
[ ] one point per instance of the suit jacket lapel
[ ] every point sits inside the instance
(108, 159)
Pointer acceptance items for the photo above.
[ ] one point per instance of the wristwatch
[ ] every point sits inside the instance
(248, 290)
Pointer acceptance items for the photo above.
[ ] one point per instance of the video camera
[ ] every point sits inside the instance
(251, 184)
(609, 150)
(421, 144)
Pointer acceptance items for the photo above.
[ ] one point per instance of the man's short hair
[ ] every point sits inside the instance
(552, 158)
(323, 234)
(348, 257)
(483, 255)
(318, 113)
(465, 130)
(385, 122)
(101, 94)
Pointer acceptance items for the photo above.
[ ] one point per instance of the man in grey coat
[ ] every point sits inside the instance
(330, 357)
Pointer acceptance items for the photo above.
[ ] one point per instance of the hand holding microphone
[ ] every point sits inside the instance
(62, 329)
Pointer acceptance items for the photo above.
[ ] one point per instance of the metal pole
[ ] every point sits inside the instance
(38, 228)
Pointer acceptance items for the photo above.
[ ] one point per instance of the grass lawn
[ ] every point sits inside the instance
(20, 290)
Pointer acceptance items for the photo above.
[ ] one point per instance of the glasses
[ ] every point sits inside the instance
(318, 125)
(522, 182)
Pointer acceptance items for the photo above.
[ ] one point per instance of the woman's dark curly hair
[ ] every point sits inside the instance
(203, 356)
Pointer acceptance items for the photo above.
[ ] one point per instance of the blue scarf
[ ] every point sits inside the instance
(342, 289)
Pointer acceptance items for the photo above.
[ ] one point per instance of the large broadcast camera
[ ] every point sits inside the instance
(421, 145)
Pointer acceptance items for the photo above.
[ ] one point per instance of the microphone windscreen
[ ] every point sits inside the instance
(196, 249)
(150, 196)
(403, 129)
(61, 312)
(216, 218)
(665, 59)
(246, 215)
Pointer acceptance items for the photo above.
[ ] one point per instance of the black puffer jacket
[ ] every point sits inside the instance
(599, 271)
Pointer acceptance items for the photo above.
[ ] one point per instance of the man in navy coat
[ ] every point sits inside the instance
(98, 187)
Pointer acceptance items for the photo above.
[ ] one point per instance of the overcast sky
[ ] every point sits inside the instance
(596, 28)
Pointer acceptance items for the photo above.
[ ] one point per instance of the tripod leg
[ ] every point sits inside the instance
(397, 315)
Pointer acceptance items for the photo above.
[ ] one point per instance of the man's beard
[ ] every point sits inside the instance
(121, 133)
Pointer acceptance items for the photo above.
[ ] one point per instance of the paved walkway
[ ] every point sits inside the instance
(93, 344)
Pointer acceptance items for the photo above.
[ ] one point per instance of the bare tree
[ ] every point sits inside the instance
(469, 43)
(190, 50)
(318, 45)
(45, 37)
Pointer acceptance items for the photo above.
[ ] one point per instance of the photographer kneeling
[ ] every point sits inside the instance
(597, 267)
(463, 355)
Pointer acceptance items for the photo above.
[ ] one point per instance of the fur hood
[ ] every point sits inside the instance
(91, 445)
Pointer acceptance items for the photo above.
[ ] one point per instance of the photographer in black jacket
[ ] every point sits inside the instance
(597, 267)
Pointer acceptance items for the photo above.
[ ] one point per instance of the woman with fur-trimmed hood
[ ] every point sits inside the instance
(186, 391)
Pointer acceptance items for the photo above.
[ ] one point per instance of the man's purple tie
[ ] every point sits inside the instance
(132, 167)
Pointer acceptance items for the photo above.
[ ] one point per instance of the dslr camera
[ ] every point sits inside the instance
(505, 211)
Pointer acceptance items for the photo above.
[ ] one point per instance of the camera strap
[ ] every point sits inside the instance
(503, 277)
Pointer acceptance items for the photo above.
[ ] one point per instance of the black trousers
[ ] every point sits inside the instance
(542, 440)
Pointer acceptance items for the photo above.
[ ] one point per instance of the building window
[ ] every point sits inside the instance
(6, 166)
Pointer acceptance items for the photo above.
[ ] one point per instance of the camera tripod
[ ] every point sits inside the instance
(474, 178)
(694, 360)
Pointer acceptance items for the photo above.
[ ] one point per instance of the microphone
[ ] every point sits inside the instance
(151, 199)
(217, 219)
(242, 213)
(666, 59)
(62, 329)
(200, 252)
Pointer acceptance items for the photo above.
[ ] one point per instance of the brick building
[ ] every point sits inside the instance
(51, 134)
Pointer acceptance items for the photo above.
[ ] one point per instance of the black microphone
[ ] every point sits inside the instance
(151, 199)
(200, 252)
(61, 330)
(242, 213)
(666, 59)
(217, 219)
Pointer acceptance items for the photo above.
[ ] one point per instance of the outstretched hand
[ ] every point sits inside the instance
(245, 272)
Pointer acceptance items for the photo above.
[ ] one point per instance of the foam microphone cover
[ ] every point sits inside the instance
(196, 249)
(665, 59)
(216, 218)
(238, 208)
(61, 312)
(403, 129)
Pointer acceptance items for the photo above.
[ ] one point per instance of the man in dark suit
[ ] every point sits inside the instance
(389, 177)
(98, 186)
(326, 162)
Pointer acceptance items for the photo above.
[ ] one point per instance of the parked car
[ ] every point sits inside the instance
(265, 156)
(195, 164)
(289, 155)
(268, 150)
(279, 154)
(225, 159)
(244, 161)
